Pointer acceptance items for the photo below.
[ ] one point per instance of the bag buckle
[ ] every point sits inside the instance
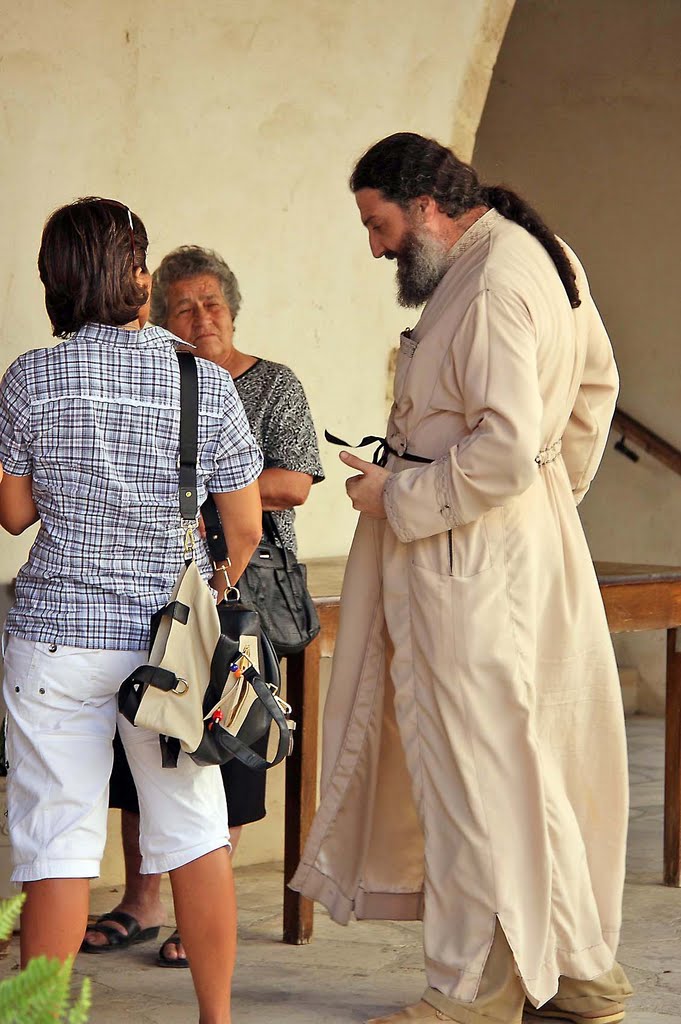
(180, 693)
(286, 708)
(291, 729)
(227, 564)
(189, 542)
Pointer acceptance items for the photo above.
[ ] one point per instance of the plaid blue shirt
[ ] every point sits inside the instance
(95, 420)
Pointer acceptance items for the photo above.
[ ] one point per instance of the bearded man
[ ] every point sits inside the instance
(474, 748)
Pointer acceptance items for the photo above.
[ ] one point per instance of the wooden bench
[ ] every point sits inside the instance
(636, 597)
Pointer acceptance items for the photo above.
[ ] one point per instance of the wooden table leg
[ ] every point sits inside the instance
(672, 762)
(302, 693)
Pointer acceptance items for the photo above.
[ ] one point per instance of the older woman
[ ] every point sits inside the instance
(89, 440)
(197, 297)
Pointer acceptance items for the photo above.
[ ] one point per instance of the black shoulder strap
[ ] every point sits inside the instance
(271, 531)
(189, 433)
(215, 535)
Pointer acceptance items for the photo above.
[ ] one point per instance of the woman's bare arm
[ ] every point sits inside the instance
(17, 509)
(241, 516)
(281, 489)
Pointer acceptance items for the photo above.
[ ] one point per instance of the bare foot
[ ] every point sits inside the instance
(172, 948)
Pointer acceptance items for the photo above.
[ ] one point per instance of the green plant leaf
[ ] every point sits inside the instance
(40, 994)
(80, 1011)
(9, 914)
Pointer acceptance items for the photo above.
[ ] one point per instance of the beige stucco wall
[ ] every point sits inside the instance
(235, 125)
(583, 117)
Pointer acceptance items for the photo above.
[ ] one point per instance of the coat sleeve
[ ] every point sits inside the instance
(495, 362)
(586, 433)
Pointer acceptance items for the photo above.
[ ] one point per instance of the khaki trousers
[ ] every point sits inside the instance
(501, 996)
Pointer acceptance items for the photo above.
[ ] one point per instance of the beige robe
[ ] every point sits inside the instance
(475, 699)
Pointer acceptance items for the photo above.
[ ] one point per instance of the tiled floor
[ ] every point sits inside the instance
(349, 974)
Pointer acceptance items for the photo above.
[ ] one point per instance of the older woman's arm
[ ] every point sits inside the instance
(289, 444)
(281, 489)
(17, 509)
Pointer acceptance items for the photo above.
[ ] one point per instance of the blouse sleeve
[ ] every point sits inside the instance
(495, 359)
(289, 435)
(15, 412)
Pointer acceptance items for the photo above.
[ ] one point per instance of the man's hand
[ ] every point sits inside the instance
(366, 490)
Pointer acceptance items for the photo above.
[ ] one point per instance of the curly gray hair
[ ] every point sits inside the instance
(191, 261)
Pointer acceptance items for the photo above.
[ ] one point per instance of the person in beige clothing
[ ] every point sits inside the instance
(474, 770)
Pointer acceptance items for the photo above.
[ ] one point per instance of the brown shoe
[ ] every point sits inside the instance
(551, 1012)
(422, 1011)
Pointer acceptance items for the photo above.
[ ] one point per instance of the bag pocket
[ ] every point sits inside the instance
(235, 692)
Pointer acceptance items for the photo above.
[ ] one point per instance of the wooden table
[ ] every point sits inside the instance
(324, 577)
(636, 597)
(639, 597)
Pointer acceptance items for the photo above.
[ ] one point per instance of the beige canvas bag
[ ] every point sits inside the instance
(201, 689)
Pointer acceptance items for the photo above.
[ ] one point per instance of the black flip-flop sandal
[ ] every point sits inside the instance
(116, 939)
(165, 961)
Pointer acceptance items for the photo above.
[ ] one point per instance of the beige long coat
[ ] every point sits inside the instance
(475, 699)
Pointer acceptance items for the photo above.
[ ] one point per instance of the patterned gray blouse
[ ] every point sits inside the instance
(281, 423)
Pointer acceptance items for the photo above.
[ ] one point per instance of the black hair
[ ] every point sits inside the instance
(405, 165)
(88, 254)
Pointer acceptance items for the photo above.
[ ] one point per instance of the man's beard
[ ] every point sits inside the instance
(421, 265)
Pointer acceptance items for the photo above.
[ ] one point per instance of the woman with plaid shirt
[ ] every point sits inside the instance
(89, 441)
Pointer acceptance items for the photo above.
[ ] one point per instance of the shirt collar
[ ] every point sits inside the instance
(478, 229)
(106, 334)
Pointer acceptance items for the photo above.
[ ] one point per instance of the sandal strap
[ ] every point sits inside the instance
(113, 936)
(130, 923)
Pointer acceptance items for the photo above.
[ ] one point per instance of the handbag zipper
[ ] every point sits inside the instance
(450, 545)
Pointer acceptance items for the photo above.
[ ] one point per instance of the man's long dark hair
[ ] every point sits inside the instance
(405, 165)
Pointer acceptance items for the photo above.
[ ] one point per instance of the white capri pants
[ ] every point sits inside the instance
(61, 716)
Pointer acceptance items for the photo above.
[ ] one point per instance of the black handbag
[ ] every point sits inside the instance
(274, 582)
(211, 686)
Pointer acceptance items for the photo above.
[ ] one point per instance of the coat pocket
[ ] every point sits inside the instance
(459, 553)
